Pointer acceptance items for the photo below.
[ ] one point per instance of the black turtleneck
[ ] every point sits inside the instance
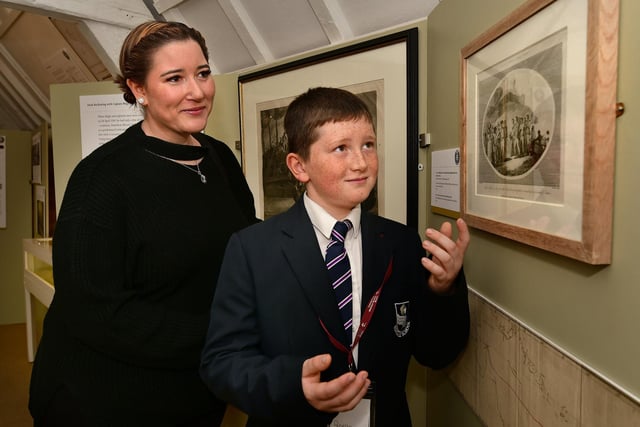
(136, 254)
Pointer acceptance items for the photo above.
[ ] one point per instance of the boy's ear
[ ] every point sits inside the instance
(297, 168)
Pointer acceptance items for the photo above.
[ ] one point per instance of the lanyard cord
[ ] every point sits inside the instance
(364, 323)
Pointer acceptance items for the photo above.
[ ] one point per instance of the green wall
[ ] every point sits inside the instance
(589, 312)
(18, 191)
(224, 120)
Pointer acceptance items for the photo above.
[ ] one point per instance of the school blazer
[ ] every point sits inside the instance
(272, 292)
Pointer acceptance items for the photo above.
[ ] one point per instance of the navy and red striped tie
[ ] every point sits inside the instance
(340, 274)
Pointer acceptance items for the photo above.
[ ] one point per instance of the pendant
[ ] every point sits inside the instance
(203, 178)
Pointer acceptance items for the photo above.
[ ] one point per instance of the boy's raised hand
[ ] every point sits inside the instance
(446, 255)
(338, 395)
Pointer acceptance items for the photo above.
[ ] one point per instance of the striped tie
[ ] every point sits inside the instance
(340, 273)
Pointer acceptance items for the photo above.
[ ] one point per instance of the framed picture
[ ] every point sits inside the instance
(40, 228)
(36, 158)
(384, 73)
(538, 108)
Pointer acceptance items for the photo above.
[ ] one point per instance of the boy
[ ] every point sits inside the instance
(277, 346)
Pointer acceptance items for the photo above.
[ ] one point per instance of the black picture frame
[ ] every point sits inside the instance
(336, 65)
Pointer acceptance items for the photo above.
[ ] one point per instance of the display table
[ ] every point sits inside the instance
(38, 281)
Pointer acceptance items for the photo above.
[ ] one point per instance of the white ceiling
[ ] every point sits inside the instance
(240, 34)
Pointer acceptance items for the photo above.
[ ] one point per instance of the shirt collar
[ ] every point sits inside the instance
(324, 222)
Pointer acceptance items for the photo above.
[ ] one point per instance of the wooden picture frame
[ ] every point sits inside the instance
(538, 110)
(384, 70)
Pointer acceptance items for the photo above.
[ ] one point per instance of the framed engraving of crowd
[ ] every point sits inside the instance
(538, 127)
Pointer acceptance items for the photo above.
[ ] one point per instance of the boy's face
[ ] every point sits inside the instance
(342, 166)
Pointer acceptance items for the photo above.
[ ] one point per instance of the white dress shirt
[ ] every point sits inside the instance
(323, 224)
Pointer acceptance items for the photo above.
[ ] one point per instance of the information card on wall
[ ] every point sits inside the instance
(102, 118)
(445, 182)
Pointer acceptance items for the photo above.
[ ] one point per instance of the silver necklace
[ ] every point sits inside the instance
(203, 178)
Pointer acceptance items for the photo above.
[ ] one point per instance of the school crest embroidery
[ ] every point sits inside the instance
(402, 319)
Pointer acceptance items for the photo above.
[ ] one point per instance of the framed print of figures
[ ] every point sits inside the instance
(382, 72)
(538, 127)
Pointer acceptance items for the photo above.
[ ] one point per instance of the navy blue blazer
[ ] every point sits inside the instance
(272, 291)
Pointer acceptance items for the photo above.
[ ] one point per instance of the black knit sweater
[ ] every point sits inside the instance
(136, 254)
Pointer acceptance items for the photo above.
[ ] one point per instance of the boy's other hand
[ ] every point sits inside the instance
(446, 255)
(338, 395)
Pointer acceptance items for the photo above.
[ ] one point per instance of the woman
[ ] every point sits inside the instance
(137, 250)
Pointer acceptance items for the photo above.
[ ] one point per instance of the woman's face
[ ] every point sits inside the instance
(178, 92)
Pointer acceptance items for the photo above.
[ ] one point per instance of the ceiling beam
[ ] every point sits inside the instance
(247, 31)
(21, 111)
(27, 95)
(123, 13)
(106, 40)
(163, 5)
(332, 19)
(174, 14)
(7, 18)
(10, 118)
(157, 16)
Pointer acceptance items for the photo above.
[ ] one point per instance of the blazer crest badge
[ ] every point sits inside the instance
(402, 319)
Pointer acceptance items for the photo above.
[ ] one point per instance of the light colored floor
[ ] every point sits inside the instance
(15, 373)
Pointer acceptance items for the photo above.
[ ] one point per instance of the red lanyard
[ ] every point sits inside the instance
(364, 322)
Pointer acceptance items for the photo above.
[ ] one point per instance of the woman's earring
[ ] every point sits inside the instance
(141, 100)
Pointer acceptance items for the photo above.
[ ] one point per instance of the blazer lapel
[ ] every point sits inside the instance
(376, 255)
(300, 247)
